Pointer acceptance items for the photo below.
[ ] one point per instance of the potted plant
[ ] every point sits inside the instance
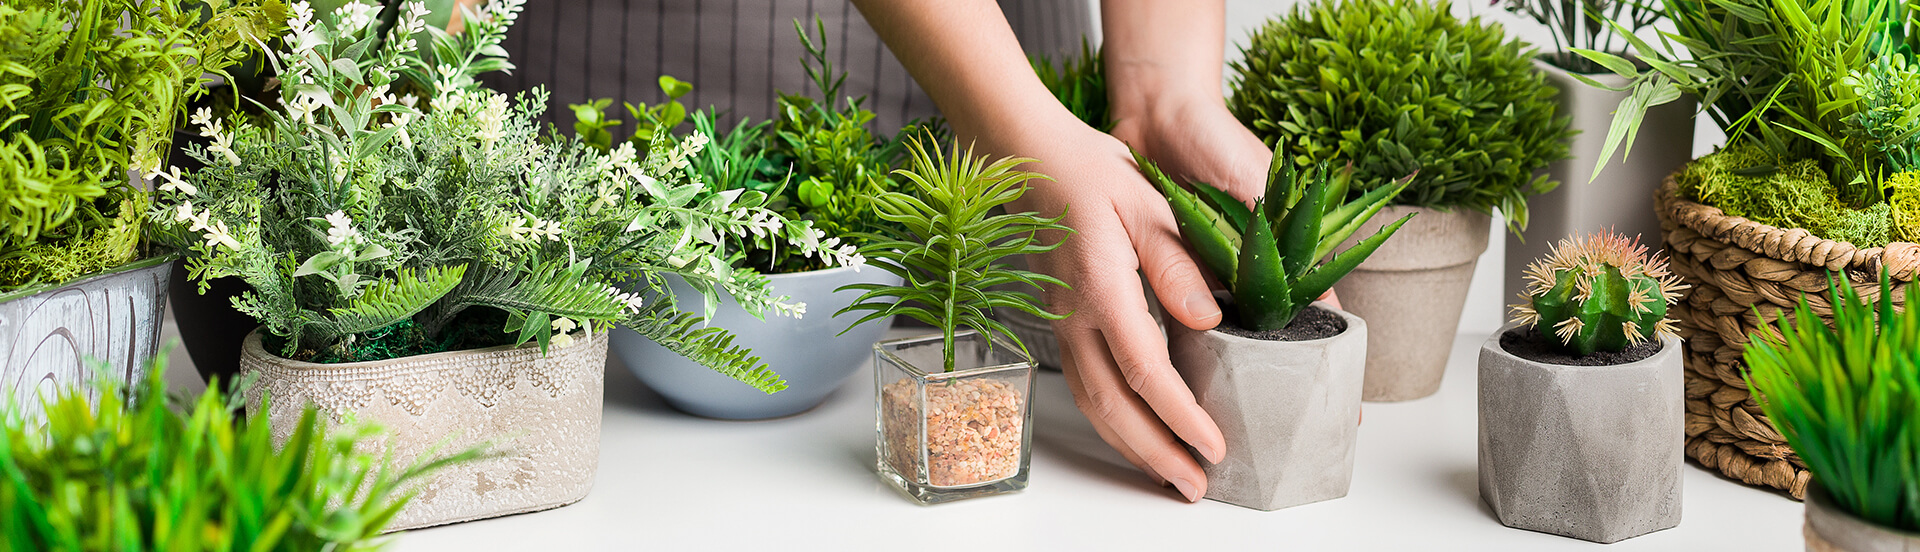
(820, 165)
(954, 409)
(1400, 86)
(1589, 92)
(1282, 374)
(428, 262)
(1580, 397)
(1818, 176)
(91, 101)
(117, 465)
(1846, 398)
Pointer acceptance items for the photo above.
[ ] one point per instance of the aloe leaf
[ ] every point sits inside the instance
(1298, 232)
(1232, 209)
(1317, 281)
(1354, 214)
(1260, 290)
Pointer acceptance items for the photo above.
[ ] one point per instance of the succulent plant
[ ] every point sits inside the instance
(1269, 256)
(1599, 292)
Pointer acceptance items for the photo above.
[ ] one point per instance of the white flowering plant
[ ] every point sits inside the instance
(391, 206)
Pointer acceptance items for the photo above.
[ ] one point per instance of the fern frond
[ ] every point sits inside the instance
(683, 333)
(390, 301)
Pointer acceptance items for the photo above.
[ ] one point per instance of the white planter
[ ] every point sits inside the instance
(808, 352)
(1589, 452)
(1621, 200)
(541, 412)
(57, 335)
(1830, 529)
(1411, 292)
(1290, 411)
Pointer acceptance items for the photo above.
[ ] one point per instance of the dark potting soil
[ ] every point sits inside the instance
(1526, 343)
(1313, 323)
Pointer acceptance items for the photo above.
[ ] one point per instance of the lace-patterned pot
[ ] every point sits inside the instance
(541, 412)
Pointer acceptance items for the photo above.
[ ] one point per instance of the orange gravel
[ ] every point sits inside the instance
(973, 430)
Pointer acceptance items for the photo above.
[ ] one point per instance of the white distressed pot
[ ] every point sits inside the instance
(542, 412)
(1290, 411)
(1830, 529)
(1411, 292)
(1621, 200)
(54, 336)
(808, 352)
(1589, 452)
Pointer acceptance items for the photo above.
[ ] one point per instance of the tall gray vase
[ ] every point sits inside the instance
(56, 335)
(809, 352)
(1589, 452)
(1411, 292)
(1622, 198)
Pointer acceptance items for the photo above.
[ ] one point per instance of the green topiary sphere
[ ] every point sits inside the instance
(1399, 86)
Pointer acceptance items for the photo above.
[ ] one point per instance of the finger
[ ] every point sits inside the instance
(1078, 391)
(1139, 352)
(1106, 397)
(1331, 298)
(1175, 278)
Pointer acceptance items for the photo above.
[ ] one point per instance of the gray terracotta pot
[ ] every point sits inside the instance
(1411, 292)
(1589, 452)
(1621, 200)
(806, 351)
(541, 412)
(1290, 411)
(55, 335)
(1830, 529)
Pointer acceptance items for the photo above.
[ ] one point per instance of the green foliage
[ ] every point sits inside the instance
(1599, 292)
(1584, 25)
(948, 246)
(1746, 181)
(1400, 86)
(118, 468)
(591, 122)
(1271, 256)
(1847, 398)
(361, 216)
(1080, 84)
(1889, 111)
(1903, 199)
(89, 90)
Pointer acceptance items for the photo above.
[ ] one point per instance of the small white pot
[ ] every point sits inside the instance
(55, 335)
(1290, 411)
(1411, 292)
(542, 412)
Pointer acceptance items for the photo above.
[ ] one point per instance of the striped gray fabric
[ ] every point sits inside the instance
(735, 52)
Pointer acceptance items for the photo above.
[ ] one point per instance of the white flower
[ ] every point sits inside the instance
(173, 182)
(184, 212)
(212, 128)
(340, 230)
(793, 310)
(528, 227)
(629, 301)
(303, 106)
(199, 221)
(492, 117)
(217, 235)
(561, 328)
(355, 16)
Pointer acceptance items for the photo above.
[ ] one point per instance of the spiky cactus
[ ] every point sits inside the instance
(1270, 256)
(1599, 292)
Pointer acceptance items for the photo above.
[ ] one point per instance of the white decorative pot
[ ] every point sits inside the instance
(808, 352)
(1589, 452)
(1290, 411)
(541, 412)
(1621, 200)
(56, 335)
(1830, 529)
(1411, 292)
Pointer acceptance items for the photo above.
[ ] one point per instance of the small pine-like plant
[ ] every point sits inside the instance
(1847, 398)
(1270, 256)
(949, 245)
(113, 467)
(1599, 292)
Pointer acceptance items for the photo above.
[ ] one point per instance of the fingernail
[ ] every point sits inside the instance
(1187, 488)
(1202, 307)
(1213, 454)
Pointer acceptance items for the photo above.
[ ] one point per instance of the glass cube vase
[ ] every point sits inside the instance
(945, 436)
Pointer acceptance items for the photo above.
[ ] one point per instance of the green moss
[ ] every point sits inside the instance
(474, 329)
(1903, 194)
(1745, 181)
(100, 247)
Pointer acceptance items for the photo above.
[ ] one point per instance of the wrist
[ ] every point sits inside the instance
(1161, 104)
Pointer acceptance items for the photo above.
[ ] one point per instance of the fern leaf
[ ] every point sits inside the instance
(391, 300)
(713, 347)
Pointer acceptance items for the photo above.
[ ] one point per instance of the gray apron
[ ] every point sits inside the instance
(736, 53)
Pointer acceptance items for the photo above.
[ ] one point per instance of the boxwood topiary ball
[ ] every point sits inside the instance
(1399, 86)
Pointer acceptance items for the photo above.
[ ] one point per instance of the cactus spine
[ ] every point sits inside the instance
(1598, 292)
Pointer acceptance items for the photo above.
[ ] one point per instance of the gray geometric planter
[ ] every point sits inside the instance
(1830, 529)
(1411, 292)
(1589, 452)
(56, 335)
(808, 352)
(1289, 410)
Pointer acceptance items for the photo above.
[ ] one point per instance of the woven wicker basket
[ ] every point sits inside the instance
(1738, 267)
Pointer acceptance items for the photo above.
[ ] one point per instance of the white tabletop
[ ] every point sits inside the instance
(670, 481)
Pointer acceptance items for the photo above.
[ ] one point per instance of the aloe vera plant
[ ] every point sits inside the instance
(1269, 256)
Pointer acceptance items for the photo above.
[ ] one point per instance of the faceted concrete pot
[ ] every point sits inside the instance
(1589, 452)
(540, 412)
(1290, 411)
(1830, 529)
(1622, 198)
(808, 351)
(1411, 292)
(54, 335)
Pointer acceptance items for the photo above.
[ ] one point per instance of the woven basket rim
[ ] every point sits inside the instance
(1902, 259)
